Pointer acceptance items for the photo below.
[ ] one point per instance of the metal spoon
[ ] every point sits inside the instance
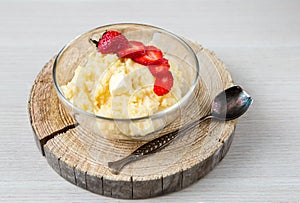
(227, 105)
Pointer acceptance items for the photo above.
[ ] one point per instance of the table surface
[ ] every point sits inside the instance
(258, 40)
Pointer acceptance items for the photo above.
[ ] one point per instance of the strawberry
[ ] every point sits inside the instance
(152, 57)
(111, 42)
(133, 50)
(163, 84)
(161, 69)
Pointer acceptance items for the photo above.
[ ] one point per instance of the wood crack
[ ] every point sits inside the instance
(75, 178)
(181, 179)
(85, 174)
(131, 180)
(58, 162)
(44, 140)
(102, 185)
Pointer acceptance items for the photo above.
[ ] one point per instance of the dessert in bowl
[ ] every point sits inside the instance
(126, 81)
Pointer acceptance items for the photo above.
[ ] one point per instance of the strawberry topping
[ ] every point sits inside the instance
(111, 42)
(133, 50)
(163, 85)
(152, 57)
(161, 69)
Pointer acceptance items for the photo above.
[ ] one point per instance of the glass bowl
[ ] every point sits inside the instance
(175, 49)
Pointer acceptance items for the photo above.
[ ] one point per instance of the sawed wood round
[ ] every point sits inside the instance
(81, 157)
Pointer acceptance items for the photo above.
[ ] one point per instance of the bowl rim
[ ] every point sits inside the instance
(152, 116)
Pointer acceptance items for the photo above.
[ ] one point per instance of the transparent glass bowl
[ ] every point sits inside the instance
(174, 49)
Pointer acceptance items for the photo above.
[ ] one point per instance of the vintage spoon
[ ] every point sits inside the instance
(227, 105)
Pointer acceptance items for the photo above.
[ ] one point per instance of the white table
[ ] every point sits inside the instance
(258, 40)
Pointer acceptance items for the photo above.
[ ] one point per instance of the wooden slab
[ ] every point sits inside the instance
(81, 157)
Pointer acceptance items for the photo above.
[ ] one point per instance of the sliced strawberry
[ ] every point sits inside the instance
(134, 49)
(161, 69)
(152, 57)
(163, 85)
(111, 42)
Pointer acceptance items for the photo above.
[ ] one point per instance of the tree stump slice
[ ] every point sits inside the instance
(81, 157)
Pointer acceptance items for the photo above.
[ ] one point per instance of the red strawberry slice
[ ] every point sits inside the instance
(134, 49)
(111, 42)
(163, 85)
(152, 56)
(161, 69)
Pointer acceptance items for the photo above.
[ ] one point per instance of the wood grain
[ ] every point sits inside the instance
(52, 119)
(74, 151)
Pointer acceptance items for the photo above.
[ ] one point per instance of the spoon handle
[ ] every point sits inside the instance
(116, 166)
(151, 147)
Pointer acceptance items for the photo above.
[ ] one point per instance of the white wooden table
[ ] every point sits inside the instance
(258, 40)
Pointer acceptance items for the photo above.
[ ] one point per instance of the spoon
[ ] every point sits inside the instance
(227, 105)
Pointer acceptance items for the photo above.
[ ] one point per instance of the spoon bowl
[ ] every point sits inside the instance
(231, 103)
